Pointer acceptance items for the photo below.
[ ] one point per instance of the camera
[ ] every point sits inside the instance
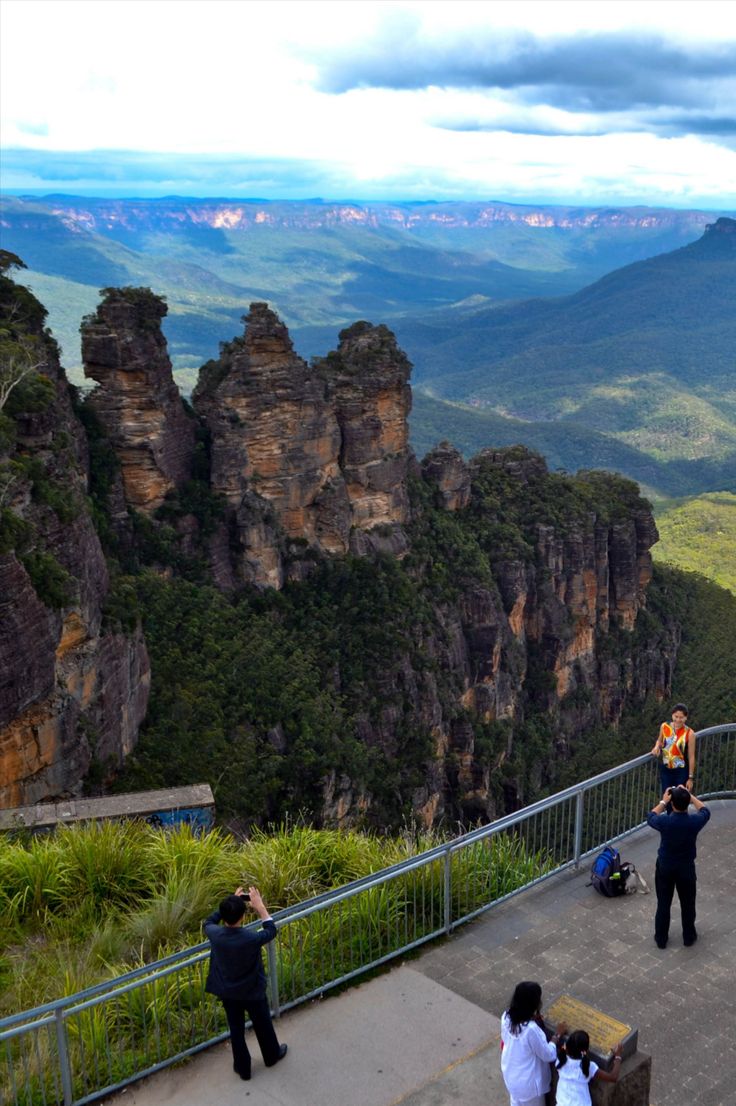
(245, 896)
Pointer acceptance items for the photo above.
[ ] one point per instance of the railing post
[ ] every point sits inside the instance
(448, 891)
(66, 1071)
(273, 979)
(578, 827)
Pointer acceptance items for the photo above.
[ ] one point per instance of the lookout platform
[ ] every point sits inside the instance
(427, 1032)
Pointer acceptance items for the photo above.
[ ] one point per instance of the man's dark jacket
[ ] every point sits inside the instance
(678, 831)
(236, 967)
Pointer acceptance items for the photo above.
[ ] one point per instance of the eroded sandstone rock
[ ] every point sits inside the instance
(369, 378)
(137, 401)
(304, 455)
(69, 688)
(445, 467)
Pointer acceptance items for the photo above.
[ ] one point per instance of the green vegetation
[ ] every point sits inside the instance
(705, 677)
(52, 584)
(27, 394)
(699, 535)
(565, 443)
(634, 372)
(274, 697)
(91, 902)
(262, 696)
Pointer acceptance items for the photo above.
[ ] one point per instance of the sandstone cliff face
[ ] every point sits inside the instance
(274, 453)
(549, 637)
(445, 468)
(68, 689)
(530, 585)
(306, 456)
(370, 382)
(553, 634)
(137, 400)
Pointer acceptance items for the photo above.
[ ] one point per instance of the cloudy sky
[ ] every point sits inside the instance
(582, 102)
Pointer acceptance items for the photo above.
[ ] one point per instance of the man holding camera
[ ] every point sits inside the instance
(675, 870)
(237, 976)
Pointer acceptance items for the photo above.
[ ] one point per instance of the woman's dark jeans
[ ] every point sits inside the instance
(672, 777)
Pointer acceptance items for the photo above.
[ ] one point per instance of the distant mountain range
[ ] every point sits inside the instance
(320, 265)
(511, 313)
(635, 372)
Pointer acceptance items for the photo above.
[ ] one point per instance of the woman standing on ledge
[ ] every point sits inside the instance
(676, 744)
(526, 1053)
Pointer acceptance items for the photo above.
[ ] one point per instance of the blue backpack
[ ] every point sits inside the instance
(608, 874)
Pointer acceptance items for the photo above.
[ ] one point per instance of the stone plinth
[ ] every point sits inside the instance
(632, 1088)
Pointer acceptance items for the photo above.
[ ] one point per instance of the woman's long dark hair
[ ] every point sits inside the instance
(576, 1048)
(525, 1005)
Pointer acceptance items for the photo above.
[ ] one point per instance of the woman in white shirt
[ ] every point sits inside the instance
(526, 1053)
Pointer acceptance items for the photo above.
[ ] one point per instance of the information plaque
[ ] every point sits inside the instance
(604, 1032)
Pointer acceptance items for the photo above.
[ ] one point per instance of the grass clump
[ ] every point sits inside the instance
(89, 902)
(93, 902)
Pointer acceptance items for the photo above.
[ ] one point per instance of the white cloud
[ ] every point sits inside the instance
(233, 77)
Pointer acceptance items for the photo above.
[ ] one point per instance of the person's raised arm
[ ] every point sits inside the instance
(691, 760)
(258, 904)
(660, 805)
(541, 1047)
(612, 1075)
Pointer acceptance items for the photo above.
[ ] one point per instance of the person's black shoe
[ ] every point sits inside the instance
(282, 1052)
(660, 944)
(688, 941)
(242, 1074)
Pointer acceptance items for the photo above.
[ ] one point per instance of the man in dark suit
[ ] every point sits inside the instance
(675, 870)
(237, 977)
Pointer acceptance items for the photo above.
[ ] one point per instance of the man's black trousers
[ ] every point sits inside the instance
(260, 1015)
(666, 881)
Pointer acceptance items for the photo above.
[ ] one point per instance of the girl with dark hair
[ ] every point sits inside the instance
(526, 1053)
(576, 1071)
(676, 745)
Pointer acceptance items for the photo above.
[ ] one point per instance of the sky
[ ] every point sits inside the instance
(584, 102)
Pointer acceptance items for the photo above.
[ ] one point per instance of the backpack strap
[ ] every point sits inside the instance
(633, 871)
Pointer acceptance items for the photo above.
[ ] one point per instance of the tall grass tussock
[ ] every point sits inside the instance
(90, 903)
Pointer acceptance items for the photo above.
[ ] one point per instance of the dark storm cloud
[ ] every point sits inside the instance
(699, 124)
(597, 72)
(593, 126)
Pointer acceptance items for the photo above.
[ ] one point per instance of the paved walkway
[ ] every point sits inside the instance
(426, 1033)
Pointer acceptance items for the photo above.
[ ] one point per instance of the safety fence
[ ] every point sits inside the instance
(86, 1045)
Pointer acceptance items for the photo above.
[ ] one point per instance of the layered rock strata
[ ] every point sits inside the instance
(445, 467)
(312, 460)
(69, 690)
(369, 377)
(552, 634)
(137, 401)
(306, 456)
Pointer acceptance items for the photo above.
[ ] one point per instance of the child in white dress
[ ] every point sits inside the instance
(575, 1070)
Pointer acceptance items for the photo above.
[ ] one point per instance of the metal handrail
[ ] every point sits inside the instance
(430, 899)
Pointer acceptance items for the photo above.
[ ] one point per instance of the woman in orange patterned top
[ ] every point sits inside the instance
(676, 744)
